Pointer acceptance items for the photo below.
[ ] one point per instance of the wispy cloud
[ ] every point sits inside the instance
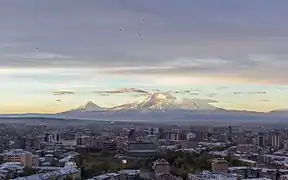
(205, 100)
(63, 92)
(238, 93)
(191, 62)
(265, 100)
(250, 93)
(182, 92)
(222, 88)
(257, 92)
(124, 90)
(186, 92)
(38, 55)
(212, 94)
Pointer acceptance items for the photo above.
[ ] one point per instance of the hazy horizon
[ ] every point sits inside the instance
(58, 55)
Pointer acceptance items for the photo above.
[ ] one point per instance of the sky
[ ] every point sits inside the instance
(57, 55)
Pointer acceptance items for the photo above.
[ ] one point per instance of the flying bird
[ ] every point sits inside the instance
(142, 19)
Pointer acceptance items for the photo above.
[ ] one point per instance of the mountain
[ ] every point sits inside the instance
(200, 104)
(88, 107)
(156, 106)
(279, 112)
(157, 101)
(163, 107)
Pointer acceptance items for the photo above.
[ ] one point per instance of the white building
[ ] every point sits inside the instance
(276, 140)
(190, 136)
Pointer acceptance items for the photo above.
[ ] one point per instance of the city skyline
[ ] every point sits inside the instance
(58, 55)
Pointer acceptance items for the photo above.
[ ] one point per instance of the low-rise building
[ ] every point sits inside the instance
(61, 174)
(161, 166)
(219, 165)
(140, 150)
(26, 158)
(207, 175)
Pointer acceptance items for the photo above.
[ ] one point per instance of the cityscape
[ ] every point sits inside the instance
(143, 90)
(85, 149)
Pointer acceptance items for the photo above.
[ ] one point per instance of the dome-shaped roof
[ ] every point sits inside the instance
(70, 164)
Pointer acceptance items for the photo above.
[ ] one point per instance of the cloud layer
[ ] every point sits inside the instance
(185, 38)
(232, 51)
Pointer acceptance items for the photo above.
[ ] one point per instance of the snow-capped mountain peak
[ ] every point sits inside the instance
(90, 106)
(161, 96)
(157, 101)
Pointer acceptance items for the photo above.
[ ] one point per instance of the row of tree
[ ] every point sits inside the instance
(181, 163)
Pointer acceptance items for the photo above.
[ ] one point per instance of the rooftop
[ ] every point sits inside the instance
(207, 175)
(161, 161)
(104, 176)
(141, 146)
(16, 152)
(131, 172)
(219, 161)
(258, 179)
(247, 161)
(50, 175)
(11, 166)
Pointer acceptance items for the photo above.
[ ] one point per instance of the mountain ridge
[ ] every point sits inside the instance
(159, 107)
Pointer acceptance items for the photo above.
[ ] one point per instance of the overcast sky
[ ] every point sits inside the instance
(86, 46)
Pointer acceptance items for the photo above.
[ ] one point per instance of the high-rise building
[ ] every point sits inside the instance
(96, 142)
(190, 136)
(119, 143)
(109, 145)
(285, 144)
(84, 141)
(230, 130)
(201, 135)
(4, 144)
(276, 140)
(261, 140)
(153, 131)
(52, 137)
(132, 135)
(172, 136)
(18, 143)
(229, 136)
(32, 143)
(161, 133)
(153, 138)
